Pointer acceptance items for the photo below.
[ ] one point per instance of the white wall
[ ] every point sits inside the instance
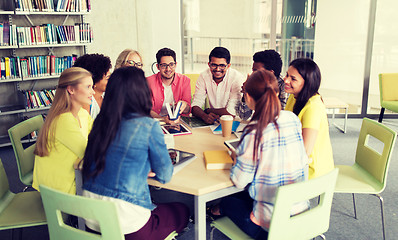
(340, 43)
(144, 25)
(114, 26)
(158, 26)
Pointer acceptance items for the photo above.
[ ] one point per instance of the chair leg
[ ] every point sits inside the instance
(382, 214)
(381, 115)
(355, 208)
(16, 233)
(212, 232)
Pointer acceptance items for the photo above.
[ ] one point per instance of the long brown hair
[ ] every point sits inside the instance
(61, 104)
(262, 86)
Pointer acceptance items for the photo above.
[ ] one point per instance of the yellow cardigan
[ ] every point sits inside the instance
(56, 170)
(313, 115)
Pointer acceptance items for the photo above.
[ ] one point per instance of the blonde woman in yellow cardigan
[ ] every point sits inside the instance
(63, 138)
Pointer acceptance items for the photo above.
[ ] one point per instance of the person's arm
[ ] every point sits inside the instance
(235, 94)
(242, 173)
(309, 137)
(207, 118)
(68, 133)
(186, 95)
(154, 114)
(159, 156)
(311, 119)
(218, 111)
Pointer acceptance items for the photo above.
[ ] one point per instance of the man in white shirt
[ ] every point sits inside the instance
(221, 84)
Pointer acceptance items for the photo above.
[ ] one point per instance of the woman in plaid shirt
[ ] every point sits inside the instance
(270, 154)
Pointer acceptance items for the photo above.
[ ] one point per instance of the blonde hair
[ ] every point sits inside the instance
(61, 104)
(124, 55)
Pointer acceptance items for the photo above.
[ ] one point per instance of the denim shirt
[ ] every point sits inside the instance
(137, 148)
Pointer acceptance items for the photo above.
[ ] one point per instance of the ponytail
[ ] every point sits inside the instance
(262, 86)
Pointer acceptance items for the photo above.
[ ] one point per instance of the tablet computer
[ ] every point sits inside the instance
(232, 144)
(178, 129)
(180, 159)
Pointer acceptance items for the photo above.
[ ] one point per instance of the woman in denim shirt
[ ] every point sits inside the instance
(124, 147)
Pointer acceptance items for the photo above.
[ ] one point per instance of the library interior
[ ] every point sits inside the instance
(210, 73)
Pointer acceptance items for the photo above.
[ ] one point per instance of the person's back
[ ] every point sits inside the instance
(124, 147)
(270, 154)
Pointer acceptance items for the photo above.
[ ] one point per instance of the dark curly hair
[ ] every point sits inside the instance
(97, 64)
(271, 60)
(165, 52)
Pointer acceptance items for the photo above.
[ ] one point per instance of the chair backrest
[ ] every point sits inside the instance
(194, 77)
(5, 194)
(388, 84)
(308, 224)
(367, 157)
(25, 157)
(104, 212)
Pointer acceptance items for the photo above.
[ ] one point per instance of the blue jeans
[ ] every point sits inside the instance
(238, 208)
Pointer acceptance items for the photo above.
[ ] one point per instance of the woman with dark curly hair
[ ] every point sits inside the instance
(100, 67)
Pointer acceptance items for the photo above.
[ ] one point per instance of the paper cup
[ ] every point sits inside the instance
(226, 125)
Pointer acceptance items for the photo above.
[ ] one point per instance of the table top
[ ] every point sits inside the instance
(332, 102)
(194, 178)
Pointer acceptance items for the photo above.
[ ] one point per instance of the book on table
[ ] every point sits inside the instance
(217, 159)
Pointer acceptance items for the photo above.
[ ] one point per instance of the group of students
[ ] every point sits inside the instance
(125, 144)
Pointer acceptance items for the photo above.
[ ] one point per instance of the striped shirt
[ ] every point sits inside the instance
(281, 160)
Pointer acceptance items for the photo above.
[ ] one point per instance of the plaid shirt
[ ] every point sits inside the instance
(282, 160)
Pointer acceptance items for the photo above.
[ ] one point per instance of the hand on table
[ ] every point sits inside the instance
(210, 118)
(151, 174)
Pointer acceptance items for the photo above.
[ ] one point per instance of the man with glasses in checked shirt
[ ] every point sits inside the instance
(221, 84)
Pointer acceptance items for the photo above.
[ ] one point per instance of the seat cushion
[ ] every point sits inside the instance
(25, 209)
(353, 179)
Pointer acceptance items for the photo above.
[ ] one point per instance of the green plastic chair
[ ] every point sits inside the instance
(25, 157)
(104, 212)
(368, 175)
(20, 210)
(388, 85)
(57, 204)
(306, 225)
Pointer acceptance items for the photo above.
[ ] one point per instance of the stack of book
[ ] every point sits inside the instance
(53, 5)
(10, 67)
(51, 34)
(38, 99)
(38, 66)
(8, 34)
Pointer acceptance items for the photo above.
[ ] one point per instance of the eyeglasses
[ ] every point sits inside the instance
(135, 64)
(214, 66)
(165, 65)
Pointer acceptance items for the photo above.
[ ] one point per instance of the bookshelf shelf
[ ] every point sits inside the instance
(26, 58)
(49, 13)
(55, 45)
(40, 78)
(8, 47)
(10, 80)
(4, 12)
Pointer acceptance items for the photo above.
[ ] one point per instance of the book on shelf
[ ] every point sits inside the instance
(37, 99)
(38, 66)
(217, 159)
(52, 5)
(9, 68)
